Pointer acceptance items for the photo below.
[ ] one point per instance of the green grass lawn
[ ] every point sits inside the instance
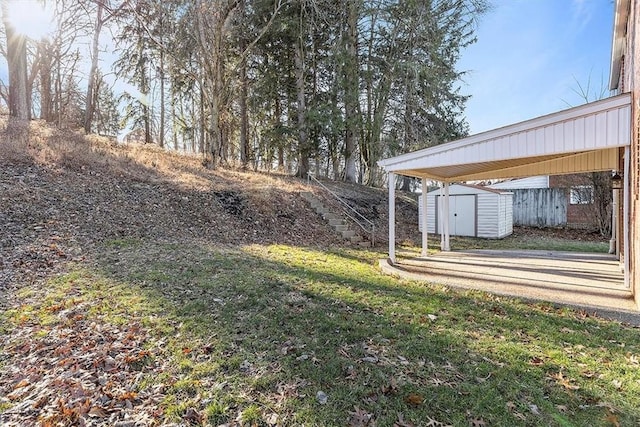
(280, 335)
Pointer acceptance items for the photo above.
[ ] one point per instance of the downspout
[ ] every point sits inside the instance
(625, 216)
(613, 242)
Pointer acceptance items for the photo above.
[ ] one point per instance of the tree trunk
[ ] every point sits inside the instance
(90, 102)
(204, 143)
(303, 137)
(174, 121)
(244, 86)
(46, 101)
(58, 87)
(17, 67)
(405, 183)
(244, 117)
(351, 90)
(162, 103)
(277, 112)
(146, 113)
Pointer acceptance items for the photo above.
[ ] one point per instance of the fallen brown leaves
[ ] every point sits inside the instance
(81, 372)
(361, 418)
(566, 382)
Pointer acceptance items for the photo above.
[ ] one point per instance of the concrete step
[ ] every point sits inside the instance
(364, 244)
(347, 234)
(336, 221)
(330, 216)
(340, 227)
(310, 198)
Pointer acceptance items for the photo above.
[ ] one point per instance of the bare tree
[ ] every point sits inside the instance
(17, 62)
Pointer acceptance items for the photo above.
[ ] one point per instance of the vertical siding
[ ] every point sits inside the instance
(508, 214)
(431, 215)
(487, 213)
(541, 181)
(494, 214)
(502, 208)
(540, 207)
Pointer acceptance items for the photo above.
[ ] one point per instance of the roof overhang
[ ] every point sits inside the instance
(580, 139)
(620, 17)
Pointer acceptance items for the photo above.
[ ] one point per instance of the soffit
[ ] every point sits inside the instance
(580, 139)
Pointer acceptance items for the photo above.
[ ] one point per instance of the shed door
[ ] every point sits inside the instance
(462, 215)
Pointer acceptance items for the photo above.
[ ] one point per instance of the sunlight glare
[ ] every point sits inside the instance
(31, 18)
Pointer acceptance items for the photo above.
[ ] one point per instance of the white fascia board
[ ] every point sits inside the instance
(620, 17)
(409, 160)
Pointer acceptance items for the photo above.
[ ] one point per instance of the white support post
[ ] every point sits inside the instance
(613, 242)
(424, 218)
(392, 217)
(447, 246)
(625, 215)
(440, 216)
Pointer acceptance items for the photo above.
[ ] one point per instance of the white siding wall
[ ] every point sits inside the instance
(518, 184)
(488, 215)
(431, 215)
(494, 211)
(505, 215)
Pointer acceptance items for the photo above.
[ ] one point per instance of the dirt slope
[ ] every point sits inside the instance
(61, 194)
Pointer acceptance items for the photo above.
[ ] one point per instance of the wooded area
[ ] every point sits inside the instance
(325, 85)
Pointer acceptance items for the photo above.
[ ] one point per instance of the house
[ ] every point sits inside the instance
(602, 136)
(588, 200)
(624, 78)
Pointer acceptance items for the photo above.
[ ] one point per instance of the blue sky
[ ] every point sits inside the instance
(529, 55)
(527, 59)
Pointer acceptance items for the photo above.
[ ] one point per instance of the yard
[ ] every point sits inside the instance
(134, 293)
(284, 335)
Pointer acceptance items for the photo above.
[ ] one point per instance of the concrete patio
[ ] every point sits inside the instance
(592, 282)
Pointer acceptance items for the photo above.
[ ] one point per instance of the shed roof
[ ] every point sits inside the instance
(580, 139)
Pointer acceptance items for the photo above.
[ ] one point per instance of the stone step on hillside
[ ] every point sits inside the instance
(348, 234)
(337, 222)
(340, 227)
(308, 196)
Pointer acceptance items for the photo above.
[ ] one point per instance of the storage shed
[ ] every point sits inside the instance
(473, 211)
